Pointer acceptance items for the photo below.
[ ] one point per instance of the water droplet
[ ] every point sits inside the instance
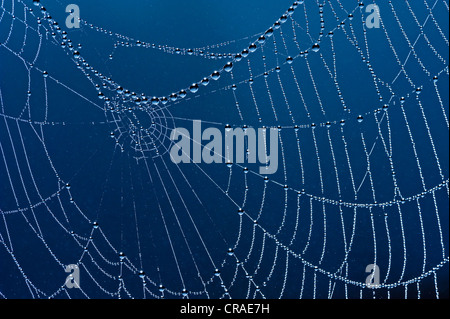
(262, 39)
(194, 88)
(228, 67)
(182, 94)
(316, 47)
(155, 100)
(205, 81)
(215, 76)
(269, 33)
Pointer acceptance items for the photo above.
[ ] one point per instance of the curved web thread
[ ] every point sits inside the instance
(362, 120)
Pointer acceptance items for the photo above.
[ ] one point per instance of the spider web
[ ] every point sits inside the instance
(362, 119)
